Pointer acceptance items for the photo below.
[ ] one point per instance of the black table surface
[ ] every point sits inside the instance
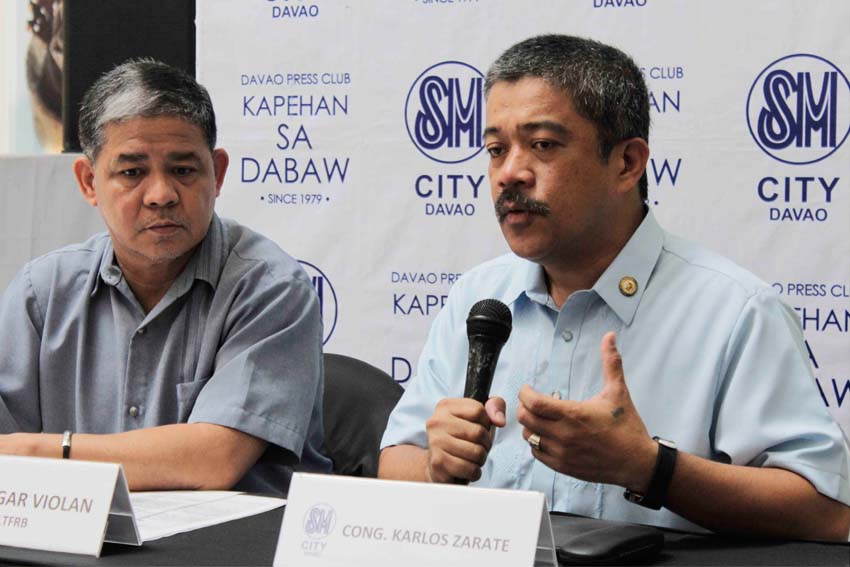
(253, 540)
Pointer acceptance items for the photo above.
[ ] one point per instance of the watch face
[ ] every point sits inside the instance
(635, 497)
(666, 443)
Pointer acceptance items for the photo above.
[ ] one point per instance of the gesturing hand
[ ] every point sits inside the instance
(459, 437)
(602, 439)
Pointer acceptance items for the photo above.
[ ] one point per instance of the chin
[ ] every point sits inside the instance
(525, 250)
(169, 248)
(163, 254)
(526, 254)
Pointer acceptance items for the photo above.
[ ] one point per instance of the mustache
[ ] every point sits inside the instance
(516, 200)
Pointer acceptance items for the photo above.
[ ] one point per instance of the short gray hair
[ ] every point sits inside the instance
(143, 88)
(605, 84)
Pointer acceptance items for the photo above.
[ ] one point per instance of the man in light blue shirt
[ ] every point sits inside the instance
(702, 411)
(184, 346)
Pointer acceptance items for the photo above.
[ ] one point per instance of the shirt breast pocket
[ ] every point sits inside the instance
(187, 393)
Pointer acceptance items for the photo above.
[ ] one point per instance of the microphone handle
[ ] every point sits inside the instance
(480, 368)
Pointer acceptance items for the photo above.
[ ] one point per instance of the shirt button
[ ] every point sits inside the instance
(141, 331)
(567, 336)
(134, 411)
(112, 276)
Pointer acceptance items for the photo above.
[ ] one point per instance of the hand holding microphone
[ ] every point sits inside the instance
(459, 430)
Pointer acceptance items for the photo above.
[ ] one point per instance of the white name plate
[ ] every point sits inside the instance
(344, 521)
(64, 505)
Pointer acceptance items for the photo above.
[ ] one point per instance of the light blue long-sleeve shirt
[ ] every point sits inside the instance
(713, 360)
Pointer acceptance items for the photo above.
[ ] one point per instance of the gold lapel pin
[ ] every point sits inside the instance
(628, 286)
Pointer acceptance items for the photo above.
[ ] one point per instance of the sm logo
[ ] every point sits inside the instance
(798, 109)
(444, 112)
(319, 521)
(327, 298)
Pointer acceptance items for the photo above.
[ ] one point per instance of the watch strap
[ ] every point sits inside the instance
(656, 493)
(66, 444)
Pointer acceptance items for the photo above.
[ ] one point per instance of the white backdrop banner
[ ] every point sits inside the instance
(354, 130)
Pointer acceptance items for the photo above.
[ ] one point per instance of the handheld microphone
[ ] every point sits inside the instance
(488, 328)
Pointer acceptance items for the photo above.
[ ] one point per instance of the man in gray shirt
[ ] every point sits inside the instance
(185, 347)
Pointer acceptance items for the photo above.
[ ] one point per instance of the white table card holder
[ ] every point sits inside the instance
(121, 526)
(344, 521)
(64, 505)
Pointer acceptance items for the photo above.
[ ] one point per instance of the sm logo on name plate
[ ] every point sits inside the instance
(318, 523)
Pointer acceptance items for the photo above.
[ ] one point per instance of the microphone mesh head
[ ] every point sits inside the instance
(490, 318)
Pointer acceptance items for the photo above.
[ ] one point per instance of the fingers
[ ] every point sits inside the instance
(547, 416)
(460, 418)
(459, 460)
(541, 405)
(459, 438)
(495, 408)
(612, 362)
(534, 424)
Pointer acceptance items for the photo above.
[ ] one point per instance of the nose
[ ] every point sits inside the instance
(513, 170)
(160, 192)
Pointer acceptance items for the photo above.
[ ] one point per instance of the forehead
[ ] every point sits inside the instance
(529, 98)
(143, 134)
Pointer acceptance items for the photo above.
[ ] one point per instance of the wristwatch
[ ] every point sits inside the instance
(664, 465)
(66, 444)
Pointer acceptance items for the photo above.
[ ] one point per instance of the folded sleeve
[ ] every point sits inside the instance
(20, 343)
(439, 375)
(768, 410)
(268, 372)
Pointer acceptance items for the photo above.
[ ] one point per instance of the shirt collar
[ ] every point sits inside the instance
(206, 263)
(522, 279)
(636, 260)
(211, 254)
(528, 279)
(536, 287)
(108, 271)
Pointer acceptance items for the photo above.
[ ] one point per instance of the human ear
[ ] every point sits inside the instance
(633, 155)
(220, 163)
(84, 172)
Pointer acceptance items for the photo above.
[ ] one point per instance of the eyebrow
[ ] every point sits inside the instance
(131, 158)
(489, 131)
(555, 127)
(550, 125)
(184, 156)
(123, 159)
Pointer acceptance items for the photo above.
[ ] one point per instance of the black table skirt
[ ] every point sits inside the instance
(252, 541)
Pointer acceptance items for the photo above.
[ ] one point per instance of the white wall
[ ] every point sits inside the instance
(8, 53)
(41, 209)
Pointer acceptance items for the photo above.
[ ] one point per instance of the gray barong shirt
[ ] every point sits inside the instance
(236, 341)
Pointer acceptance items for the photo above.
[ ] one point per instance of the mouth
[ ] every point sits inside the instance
(514, 214)
(513, 207)
(164, 227)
